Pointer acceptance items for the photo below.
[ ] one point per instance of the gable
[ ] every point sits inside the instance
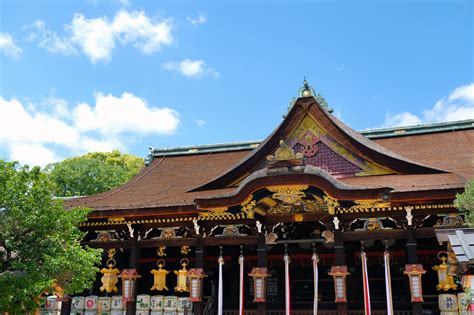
(324, 142)
(322, 150)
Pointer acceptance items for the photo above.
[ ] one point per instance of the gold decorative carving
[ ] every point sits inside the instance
(185, 249)
(451, 220)
(289, 194)
(248, 209)
(213, 212)
(328, 236)
(121, 219)
(281, 208)
(373, 224)
(284, 153)
(314, 205)
(168, 232)
(271, 238)
(161, 251)
(331, 204)
(368, 204)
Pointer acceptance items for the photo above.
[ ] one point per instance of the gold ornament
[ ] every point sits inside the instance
(364, 205)
(181, 277)
(445, 281)
(185, 249)
(284, 153)
(161, 251)
(248, 207)
(332, 204)
(109, 279)
(159, 276)
(289, 194)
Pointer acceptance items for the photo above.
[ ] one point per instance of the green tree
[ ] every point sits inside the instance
(465, 202)
(39, 241)
(93, 173)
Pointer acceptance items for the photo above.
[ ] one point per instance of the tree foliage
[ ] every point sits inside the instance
(93, 173)
(39, 241)
(465, 202)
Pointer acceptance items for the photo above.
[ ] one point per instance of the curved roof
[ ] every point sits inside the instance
(443, 155)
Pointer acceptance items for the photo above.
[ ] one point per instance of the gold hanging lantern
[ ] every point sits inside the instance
(109, 279)
(445, 281)
(181, 277)
(159, 282)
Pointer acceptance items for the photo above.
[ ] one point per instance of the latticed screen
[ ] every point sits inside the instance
(258, 288)
(340, 287)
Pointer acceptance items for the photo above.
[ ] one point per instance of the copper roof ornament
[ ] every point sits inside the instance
(308, 91)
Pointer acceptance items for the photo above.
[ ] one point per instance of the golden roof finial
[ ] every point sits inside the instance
(306, 90)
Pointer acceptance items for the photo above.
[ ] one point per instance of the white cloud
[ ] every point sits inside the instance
(49, 40)
(58, 106)
(97, 37)
(402, 119)
(200, 19)
(32, 154)
(8, 47)
(114, 115)
(36, 136)
(190, 68)
(458, 105)
(200, 122)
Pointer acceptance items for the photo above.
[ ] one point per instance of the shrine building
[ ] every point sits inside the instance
(316, 219)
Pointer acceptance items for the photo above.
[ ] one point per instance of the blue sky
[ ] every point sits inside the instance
(79, 76)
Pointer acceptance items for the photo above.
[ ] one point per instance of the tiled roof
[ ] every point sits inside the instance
(166, 181)
(372, 134)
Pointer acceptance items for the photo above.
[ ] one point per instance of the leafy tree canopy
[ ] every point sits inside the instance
(39, 241)
(465, 202)
(93, 173)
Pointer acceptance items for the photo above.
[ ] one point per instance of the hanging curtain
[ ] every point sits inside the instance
(365, 280)
(241, 290)
(219, 292)
(286, 259)
(388, 283)
(315, 280)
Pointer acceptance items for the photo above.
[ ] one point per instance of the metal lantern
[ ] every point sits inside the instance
(259, 275)
(129, 279)
(445, 281)
(181, 277)
(414, 273)
(196, 276)
(339, 274)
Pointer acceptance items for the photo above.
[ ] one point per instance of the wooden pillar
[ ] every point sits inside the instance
(340, 260)
(134, 263)
(66, 306)
(261, 262)
(412, 258)
(198, 307)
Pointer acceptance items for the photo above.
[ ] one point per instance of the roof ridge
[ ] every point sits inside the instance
(374, 133)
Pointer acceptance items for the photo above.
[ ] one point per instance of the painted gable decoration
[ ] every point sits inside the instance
(310, 136)
(321, 150)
